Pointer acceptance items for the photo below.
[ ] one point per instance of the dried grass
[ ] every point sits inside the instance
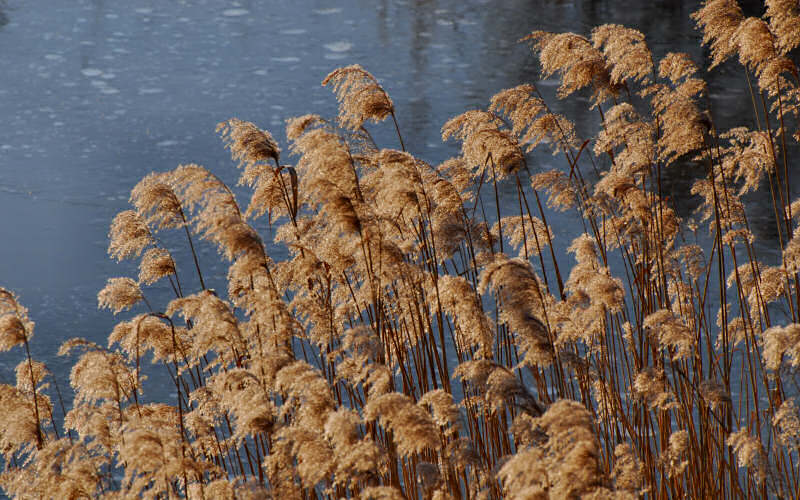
(400, 352)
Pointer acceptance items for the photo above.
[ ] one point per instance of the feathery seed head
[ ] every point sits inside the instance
(15, 327)
(714, 393)
(676, 66)
(719, 20)
(749, 451)
(12, 331)
(360, 96)
(674, 458)
(483, 143)
(626, 52)
(565, 465)
(24, 372)
(757, 47)
(119, 294)
(523, 302)
(577, 61)
(651, 385)
(443, 407)
(156, 264)
(784, 22)
(672, 332)
(413, 428)
(561, 193)
(156, 202)
(627, 468)
(128, 235)
(519, 105)
(99, 375)
(248, 143)
(780, 341)
(787, 421)
(296, 127)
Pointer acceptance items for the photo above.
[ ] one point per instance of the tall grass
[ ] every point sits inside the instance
(421, 340)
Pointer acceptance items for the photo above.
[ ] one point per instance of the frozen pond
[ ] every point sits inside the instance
(94, 94)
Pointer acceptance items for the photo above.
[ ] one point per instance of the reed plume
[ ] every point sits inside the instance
(484, 142)
(719, 20)
(360, 96)
(625, 50)
(577, 61)
(784, 22)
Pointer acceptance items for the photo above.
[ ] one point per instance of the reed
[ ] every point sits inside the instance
(419, 343)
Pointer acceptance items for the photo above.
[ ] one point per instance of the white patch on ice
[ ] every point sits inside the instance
(91, 72)
(293, 31)
(109, 90)
(235, 12)
(166, 144)
(287, 59)
(444, 22)
(341, 46)
(260, 72)
(327, 12)
(335, 56)
(726, 95)
(144, 10)
(54, 57)
(150, 90)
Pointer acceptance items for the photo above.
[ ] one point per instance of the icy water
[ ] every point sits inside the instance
(94, 94)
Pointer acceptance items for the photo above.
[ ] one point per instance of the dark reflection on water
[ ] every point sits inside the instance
(97, 93)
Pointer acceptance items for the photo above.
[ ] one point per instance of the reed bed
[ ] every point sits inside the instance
(420, 340)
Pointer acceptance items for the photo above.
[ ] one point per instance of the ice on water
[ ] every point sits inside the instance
(341, 46)
(235, 12)
(287, 59)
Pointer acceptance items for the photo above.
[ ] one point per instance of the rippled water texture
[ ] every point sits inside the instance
(94, 94)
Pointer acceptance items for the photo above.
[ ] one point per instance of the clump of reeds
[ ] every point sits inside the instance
(413, 345)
